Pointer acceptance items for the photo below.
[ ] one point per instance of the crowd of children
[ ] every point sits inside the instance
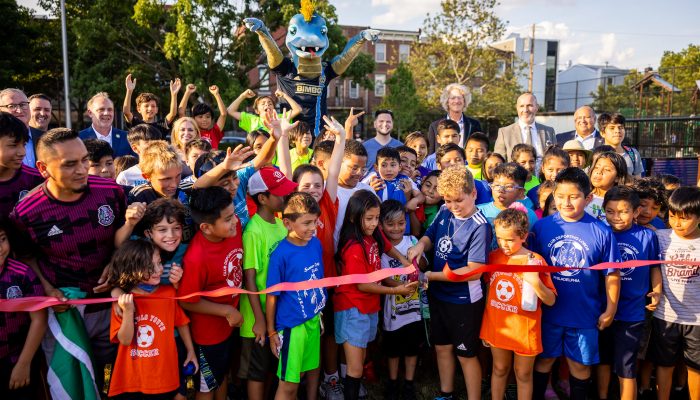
(285, 209)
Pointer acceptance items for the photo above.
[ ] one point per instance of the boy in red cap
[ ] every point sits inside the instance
(268, 187)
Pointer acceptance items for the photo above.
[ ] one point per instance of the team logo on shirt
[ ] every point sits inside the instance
(444, 246)
(145, 336)
(568, 251)
(505, 290)
(105, 215)
(627, 253)
(13, 292)
(22, 194)
(232, 268)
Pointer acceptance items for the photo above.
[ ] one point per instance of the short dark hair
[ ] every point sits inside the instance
(142, 132)
(131, 264)
(574, 176)
(388, 152)
(603, 148)
(668, 179)
(447, 124)
(391, 209)
(354, 148)
(323, 147)
(251, 136)
(446, 148)
(202, 109)
(39, 96)
(413, 136)
(511, 217)
(298, 131)
(512, 171)
(622, 193)
(170, 209)
(405, 149)
(521, 148)
(145, 97)
(480, 137)
(434, 173)
(383, 111)
(200, 144)
(652, 188)
(97, 149)
(685, 200)
(124, 162)
(606, 119)
(305, 169)
(554, 151)
(298, 204)
(207, 204)
(11, 126)
(53, 137)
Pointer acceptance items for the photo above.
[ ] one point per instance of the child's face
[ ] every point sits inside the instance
(166, 234)
(476, 151)
(570, 201)
(187, 132)
(578, 159)
(203, 121)
(104, 168)
(451, 158)
(140, 146)
(4, 247)
(614, 134)
(394, 228)
(193, 155)
(527, 161)
(258, 144)
(429, 190)
(648, 210)
(448, 136)
(620, 214)
(409, 163)
(230, 183)
(148, 110)
(685, 226)
(509, 240)
(552, 207)
(421, 148)
(352, 170)
(165, 182)
(154, 279)
(264, 104)
(12, 152)
(370, 220)
(304, 228)
(603, 174)
(490, 164)
(552, 167)
(505, 191)
(304, 140)
(311, 183)
(388, 168)
(274, 203)
(225, 226)
(542, 197)
(461, 204)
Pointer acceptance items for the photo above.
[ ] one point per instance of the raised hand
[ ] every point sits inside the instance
(175, 85)
(248, 94)
(286, 123)
(371, 35)
(214, 90)
(190, 88)
(134, 213)
(254, 24)
(130, 83)
(235, 157)
(278, 93)
(333, 126)
(352, 119)
(175, 274)
(126, 302)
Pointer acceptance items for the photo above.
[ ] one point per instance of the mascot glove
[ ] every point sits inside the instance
(371, 35)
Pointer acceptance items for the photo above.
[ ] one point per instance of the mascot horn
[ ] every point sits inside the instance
(305, 77)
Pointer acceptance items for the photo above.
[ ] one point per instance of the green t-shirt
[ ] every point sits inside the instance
(298, 160)
(534, 181)
(476, 171)
(251, 122)
(259, 239)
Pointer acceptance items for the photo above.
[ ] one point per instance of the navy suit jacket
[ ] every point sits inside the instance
(566, 136)
(119, 143)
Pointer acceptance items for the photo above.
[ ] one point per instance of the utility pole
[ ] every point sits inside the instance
(532, 58)
(64, 39)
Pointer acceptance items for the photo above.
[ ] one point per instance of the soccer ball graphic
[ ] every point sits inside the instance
(144, 336)
(504, 290)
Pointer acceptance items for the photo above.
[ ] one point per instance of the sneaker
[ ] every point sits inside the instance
(364, 395)
(391, 390)
(550, 394)
(409, 391)
(512, 392)
(331, 390)
(444, 398)
(563, 387)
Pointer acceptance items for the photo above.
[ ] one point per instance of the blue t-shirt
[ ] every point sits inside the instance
(168, 264)
(584, 243)
(372, 146)
(429, 162)
(490, 211)
(393, 191)
(527, 202)
(483, 192)
(455, 242)
(636, 243)
(239, 204)
(658, 223)
(292, 263)
(534, 197)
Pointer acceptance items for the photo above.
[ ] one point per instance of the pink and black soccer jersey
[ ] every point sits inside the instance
(72, 242)
(12, 190)
(16, 280)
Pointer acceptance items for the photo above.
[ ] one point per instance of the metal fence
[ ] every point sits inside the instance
(673, 137)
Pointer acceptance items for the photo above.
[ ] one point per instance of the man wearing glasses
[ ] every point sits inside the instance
(15, 102)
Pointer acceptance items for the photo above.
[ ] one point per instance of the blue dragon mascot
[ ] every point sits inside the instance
(305, 76)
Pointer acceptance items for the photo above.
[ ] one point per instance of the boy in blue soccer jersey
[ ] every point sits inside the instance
(571, 238)
(460, 236)
(620, 343)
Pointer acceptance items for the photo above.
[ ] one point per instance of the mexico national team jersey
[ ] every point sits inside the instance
(15, 188)
(73, 242)
(581, 244)
(306, 91)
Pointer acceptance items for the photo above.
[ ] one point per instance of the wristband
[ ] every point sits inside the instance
(272, 334)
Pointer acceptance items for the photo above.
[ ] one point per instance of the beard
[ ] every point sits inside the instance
(81, 189)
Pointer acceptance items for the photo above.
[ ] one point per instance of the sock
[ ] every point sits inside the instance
(579, 388)
(343, 370)
(352, 388)
(329, 377)
(539, 380)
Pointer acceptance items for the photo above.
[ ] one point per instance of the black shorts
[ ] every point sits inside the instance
(405, 341)
(214, 362)
(457, 325)
(669, 340)
(181, 357)
(328, 316)
(257, 362)
(618, 346)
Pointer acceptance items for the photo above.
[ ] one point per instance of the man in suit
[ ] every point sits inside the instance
(455, 99)
(101, 111)
(525, 130)
(585, 132)
(15, 102)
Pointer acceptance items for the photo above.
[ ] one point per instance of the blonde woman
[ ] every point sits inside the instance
(184, 130)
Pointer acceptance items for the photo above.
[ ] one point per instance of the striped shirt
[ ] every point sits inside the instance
(680, 300)
(13, 189)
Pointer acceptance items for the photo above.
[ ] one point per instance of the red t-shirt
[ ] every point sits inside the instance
(213, 135)
(209, 266)
(355, 261)
(325, 226)
(149, 364)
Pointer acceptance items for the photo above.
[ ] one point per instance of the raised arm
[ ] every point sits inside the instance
(232, 162)
(274, 54)
(232, 110)
(342, 61)
(295, 107)
(351, 122)
(182, 108)
(336, 160)
(126, 108)
(221, 121)
(174, 89)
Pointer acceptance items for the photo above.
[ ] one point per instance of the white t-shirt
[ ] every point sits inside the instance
(680, 298)
(595, 208)
(344, 195)
(400, 311)
(131, 177)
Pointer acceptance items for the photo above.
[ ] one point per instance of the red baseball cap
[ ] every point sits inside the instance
(270, 179)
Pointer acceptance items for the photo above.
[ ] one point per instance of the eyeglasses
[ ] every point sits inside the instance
(506, 188)
(14, 107)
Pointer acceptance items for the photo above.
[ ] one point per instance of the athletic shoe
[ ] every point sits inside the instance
(409, 391)
(364, 395)
(331, 390)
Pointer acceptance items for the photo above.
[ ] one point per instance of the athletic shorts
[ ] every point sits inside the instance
(257, 362)
(669, 340)
(457, 325)
(646, 336)
(300, 350)
(619, 345)
(214, 362)
(181, 357)
(405, 341)
(578, 344)
(328, 316)
(354, 327)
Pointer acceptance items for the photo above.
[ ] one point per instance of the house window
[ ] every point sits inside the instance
(379, 87)
(354, 90)
(264, 77)
(404, 51)
(500, 67)
(380, 52)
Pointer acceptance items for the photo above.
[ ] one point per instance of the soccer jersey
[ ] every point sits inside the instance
(456, 242)
(491, 211)
(636, 243)
(292, 263)
(17, 280)
(400, 310)
(252, 122)
(298, 160)
(373, 146)
(146, 194)
(680, 300)
(239, 200)
(131, 176)
(579, 244)
(209, 266)
(476, 171)
(15, 188)
(213, 135)
(532, 183)
(72, 242)
(325, 226)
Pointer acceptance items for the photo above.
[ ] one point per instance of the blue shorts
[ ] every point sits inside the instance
(619, 345)
(355, 328)
(578, 344)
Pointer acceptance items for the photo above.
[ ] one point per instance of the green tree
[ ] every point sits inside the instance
(682, 69)
(618, 98)
(401, 98)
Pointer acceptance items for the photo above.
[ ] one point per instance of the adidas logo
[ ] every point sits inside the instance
(54, 231)
(462, 347)
(442, 222)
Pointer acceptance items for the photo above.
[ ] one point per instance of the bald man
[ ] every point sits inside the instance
(585, 132)
(525, 130)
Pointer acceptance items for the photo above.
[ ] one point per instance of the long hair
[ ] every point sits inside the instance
(351, 231)
(617, 161)
(131, 264)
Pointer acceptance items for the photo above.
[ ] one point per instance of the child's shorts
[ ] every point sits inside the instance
(457, 325)
(328, 316)
(619, 345)
(578, 344)
(670, 339)
(405, 341)
(355, 328)
(257, 362)
(214, 363)
(300, 350)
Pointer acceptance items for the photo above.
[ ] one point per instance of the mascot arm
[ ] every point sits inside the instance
(342, 61)
(273, 52)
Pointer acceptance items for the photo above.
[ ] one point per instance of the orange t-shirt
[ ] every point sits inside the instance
(505, 325)
(325, 226)
(149, 364)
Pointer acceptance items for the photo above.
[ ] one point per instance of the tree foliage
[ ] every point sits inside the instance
(401, 98)
(682, 69)
(617, 98)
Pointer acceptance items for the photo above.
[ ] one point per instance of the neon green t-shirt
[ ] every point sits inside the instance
(251, 122)
(259, 239)
(476, 171)
(534, 181)
(298, 160)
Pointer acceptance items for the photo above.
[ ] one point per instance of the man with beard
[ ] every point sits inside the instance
(40, 113)
(15, 102)
(383, 124)
(101, 111)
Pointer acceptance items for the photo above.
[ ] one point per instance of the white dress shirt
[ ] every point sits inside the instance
(107, 138)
